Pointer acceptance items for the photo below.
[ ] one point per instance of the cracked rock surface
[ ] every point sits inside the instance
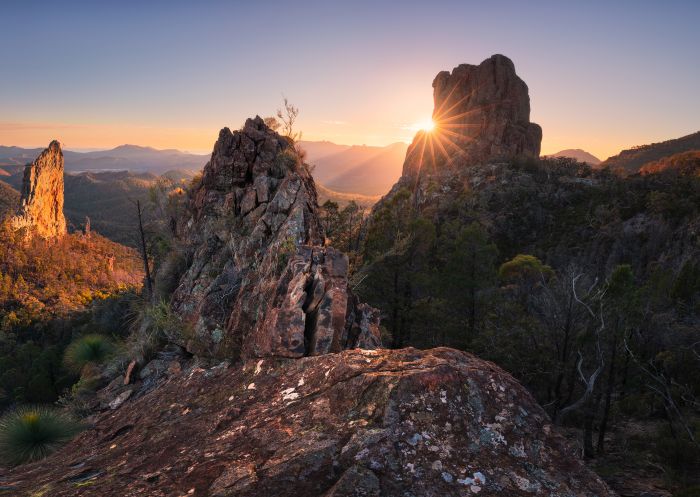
(357, 423)
(259, 282)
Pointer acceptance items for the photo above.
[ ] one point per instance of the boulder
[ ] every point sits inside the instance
(360, 422)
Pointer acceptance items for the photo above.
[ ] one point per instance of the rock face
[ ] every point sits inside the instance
(481, 114)
(41, 203)
(357, 423)
(259, 282)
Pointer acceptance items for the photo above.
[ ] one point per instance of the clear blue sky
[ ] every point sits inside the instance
(602, 75)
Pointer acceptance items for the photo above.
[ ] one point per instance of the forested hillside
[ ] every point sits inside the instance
(47, 291)
(584, 285)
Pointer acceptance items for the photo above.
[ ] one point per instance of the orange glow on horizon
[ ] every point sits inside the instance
(200, 140)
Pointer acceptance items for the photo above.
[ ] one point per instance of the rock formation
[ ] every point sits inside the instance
(481, 114)
(298, 415)
(260, 283)
(41, 203)
(358, 423)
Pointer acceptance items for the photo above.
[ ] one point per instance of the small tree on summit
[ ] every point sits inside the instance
(272, 123)
(287, 117)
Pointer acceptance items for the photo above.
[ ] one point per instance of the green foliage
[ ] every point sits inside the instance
(169, 272)
(678, 454)
(596, 273)
(89, 349)
(693, 491)
(687, 284)
(287, 249)
(152, 326)
(31, 433)
(524, 268)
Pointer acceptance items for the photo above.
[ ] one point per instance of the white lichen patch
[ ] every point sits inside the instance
(517, 450)
(251, 386)
(289, 394)
(475, 482)
(524, 484)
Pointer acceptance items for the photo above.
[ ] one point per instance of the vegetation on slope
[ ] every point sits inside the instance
(51, 291)
(584, 285)
(633, 159)
(30, 433)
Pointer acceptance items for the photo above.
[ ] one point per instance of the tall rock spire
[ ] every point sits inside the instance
(41, 203)
(482, 113)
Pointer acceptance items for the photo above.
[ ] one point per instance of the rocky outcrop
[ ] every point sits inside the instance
(259, 282)
(358, 423)
(41, 203)
(481, 114)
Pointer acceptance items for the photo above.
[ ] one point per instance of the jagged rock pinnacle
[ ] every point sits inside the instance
(41, 203)
(481, 114)
(260, 282)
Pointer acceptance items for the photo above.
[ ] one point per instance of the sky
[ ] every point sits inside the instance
(603, 76)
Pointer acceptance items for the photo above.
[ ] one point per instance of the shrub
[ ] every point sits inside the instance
(693, 491)
(31, 433)
(89, 349)
(169, 273)
(525, 267)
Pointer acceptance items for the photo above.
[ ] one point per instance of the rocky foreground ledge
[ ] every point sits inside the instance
(356, 423)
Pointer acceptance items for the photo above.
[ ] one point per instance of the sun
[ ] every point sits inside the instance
(426, 126)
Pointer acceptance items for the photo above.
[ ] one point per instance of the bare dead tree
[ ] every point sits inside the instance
(144, 253)
(662, 387)
(588, 380)
(288, 116)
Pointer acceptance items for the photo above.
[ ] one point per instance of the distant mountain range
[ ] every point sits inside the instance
(124, 157)
(579, 155)
(359, 169)
(635, 158)
(111, 179)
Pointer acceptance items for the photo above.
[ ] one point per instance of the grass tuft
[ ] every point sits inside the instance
(89, 349)
(30, 433)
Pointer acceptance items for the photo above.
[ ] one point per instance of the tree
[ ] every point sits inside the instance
(469, 268)
(148, 282)
(287, 118)
(272, 123)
